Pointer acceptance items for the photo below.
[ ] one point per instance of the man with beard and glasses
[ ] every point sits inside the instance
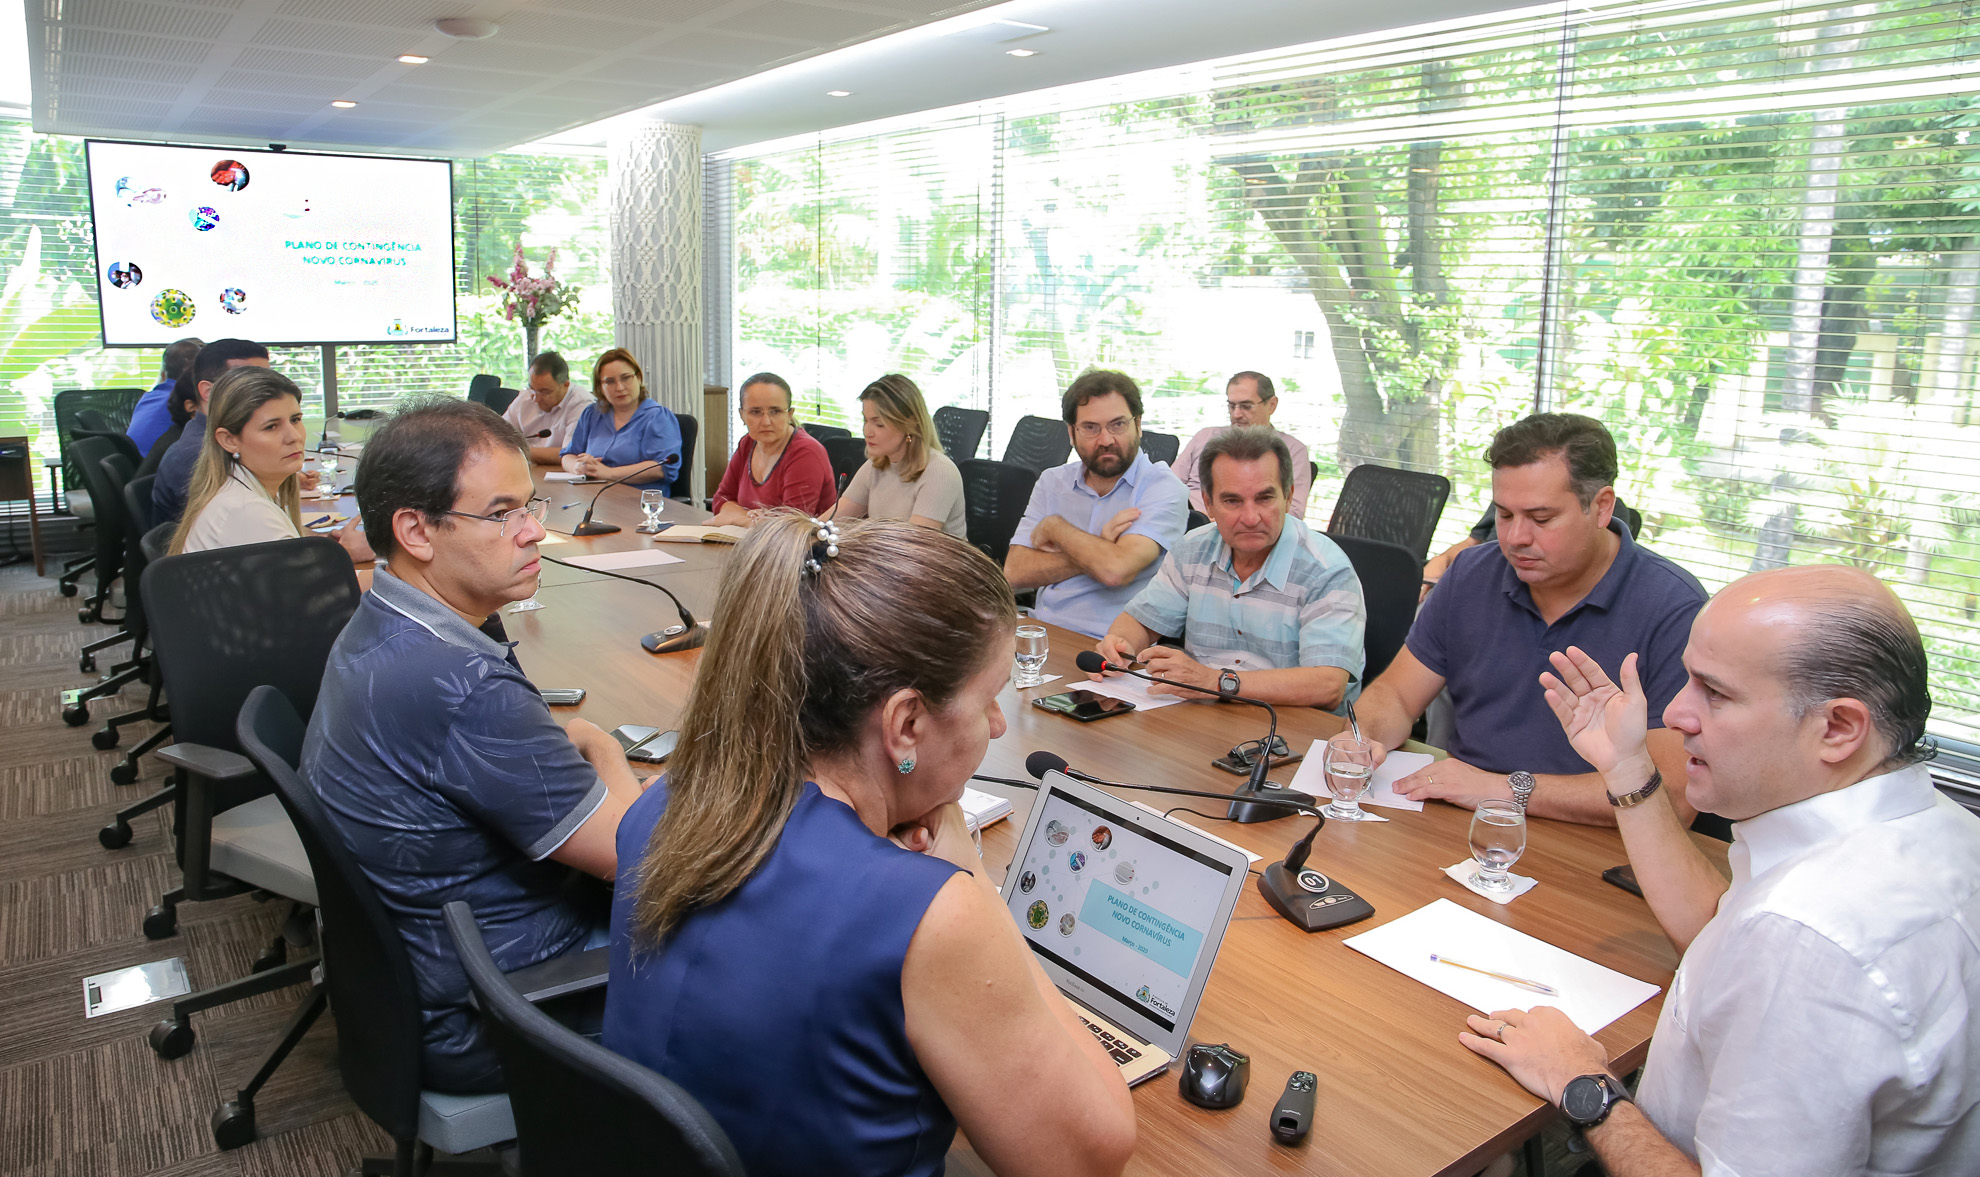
(1096, 528)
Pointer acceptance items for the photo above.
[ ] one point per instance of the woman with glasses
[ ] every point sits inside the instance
(776, 464)
(624, 433)
(246, 486)
(906, 476)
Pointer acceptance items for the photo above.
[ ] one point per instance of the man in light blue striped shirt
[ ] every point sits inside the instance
(1266, 607)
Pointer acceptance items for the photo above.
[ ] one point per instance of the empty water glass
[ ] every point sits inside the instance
(1032, 646)
(1498, 838)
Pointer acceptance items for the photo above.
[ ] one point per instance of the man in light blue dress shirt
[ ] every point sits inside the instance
(1266, 607)
(1096, 528)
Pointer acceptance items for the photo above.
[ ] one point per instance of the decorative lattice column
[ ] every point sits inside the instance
(655, 184)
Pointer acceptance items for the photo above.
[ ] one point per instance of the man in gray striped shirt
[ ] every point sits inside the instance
(1265, 606)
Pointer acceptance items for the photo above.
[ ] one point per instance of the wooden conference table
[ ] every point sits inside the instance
(1398, 1094)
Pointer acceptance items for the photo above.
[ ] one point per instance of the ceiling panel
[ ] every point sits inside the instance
(178, 20)
(310, 36)
(134, 46)
(807, 22)
(723, 49)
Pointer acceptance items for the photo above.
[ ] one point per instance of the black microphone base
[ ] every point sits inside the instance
(676, 638)
(1310, 910)
(589, 528)
(1242, 811)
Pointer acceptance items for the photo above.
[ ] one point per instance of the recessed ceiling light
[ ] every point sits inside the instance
(343, 104)
(1022, 52)
(838, 93)
(412, 59)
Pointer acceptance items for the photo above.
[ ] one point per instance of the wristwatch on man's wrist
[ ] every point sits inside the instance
(1227, 683)
(1587, 1100)
(1521, 782)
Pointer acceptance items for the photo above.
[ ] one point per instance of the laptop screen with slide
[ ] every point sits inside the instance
(1124, 908)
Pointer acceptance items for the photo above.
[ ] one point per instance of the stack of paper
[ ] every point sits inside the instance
(562, 476)
(984, 809)
(687, 533)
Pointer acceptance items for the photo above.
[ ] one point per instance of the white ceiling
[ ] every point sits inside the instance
(256, 71)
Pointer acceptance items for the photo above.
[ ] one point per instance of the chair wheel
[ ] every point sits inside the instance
(66, 589)
(172, 1039)
(104, 738)
(124, 772)
(75, 715)
(116, 836)
(86, 664)
(271, 958)
(233, 1124)
(83, 617)
(160, 922)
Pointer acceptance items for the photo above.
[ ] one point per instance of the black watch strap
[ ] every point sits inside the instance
(1588, 1099)
(1227, 683)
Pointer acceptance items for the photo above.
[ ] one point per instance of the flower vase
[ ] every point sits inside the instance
(530, 331)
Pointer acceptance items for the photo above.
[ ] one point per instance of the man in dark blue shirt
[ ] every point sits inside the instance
(153, 414)
(1564, 572)
(436, 759)
(175, 469)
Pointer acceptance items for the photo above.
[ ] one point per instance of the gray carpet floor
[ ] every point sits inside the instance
(87, 1096)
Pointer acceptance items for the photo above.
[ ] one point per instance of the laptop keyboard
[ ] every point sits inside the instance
(1117, 1049)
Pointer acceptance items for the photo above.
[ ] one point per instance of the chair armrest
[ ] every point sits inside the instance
(574, 972)
(215, 764)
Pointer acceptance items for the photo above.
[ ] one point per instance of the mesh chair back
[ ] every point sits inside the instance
(481, 386)
(848, 454)
(994, 498)
(113, 407)
(579, 1107)
(1161, 447)
(365, 966)
(232, 619)
(136, 524)
(961, 430)
(826, 432)
(106, 500)
(137, 506)
(1390, 576)
(1038, 443)
(683, 484)
(1399, 506)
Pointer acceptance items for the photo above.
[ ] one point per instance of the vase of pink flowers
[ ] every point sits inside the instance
(534, 300)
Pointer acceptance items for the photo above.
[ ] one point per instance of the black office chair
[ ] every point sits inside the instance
(137, 497)
(117, 835)
(683, 485)
(1390, 576)
(826, 432)
(90, 423)
(1399, 506)
(580, 1108)
(1196, 519)
(159, 449)
(107, 496)
(367, 977)
(995, 495)
(961, 430)
(1161, 447)
(482, 386)
(1038, 444)
(107, 553)
(114, 407)
(847, 455)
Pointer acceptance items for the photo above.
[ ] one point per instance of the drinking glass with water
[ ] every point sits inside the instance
(652, 501)
(1032, 646)
(1349, 764)
(1498, 838)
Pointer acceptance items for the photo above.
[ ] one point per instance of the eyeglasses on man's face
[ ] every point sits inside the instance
(1118, 427)
(1245, 406)
(537, 508)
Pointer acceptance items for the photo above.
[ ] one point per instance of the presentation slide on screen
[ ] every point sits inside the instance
(279, 247)
(1127, 909)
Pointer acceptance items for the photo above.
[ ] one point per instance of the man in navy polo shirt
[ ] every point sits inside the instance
(1563, 573)
(436, 759)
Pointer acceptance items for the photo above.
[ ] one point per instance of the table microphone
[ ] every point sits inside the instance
(688, 635)
(1257, 787)
(587, 527)
(1308, 898)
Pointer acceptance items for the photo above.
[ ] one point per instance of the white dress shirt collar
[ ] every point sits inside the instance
(1762, 843)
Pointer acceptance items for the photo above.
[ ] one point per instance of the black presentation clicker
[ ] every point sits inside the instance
(1294, 1113)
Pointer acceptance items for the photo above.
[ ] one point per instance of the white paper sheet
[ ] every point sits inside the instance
(1134, 690)
(1312, 777)
(620, 561)
(562, 476)
(1590, 995)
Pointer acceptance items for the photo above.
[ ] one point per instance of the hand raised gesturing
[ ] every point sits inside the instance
(1606, 723)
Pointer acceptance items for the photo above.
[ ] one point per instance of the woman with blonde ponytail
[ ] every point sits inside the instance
(803, 935)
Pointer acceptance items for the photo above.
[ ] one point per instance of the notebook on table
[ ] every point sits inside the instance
(1125, 910)
(692, 533)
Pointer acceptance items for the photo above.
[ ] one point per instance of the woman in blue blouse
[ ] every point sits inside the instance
(624, 429)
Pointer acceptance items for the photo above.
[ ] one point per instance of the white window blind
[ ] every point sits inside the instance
(1742, 235)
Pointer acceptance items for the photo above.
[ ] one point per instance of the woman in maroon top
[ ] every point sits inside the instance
(776, 464)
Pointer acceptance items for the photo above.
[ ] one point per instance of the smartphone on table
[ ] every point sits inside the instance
(654, 750)
(1085, 706)
(632, 735)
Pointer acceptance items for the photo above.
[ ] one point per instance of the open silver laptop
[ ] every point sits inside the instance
(1125, 910)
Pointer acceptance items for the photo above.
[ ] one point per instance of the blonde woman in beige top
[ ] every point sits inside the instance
(906, 475)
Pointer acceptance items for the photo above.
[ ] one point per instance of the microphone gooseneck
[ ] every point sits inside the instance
(1242, 810)
(688, 635)
(587, 527)
(1041, 762)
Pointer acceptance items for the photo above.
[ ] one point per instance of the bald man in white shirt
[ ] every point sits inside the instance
(1820, 1021)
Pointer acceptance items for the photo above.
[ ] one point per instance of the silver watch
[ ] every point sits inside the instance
(1521, 782)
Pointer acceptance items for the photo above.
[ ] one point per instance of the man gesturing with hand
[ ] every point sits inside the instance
(1820, 1020)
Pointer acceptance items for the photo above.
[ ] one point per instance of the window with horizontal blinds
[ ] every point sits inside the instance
(1741, 235)
(50, 335)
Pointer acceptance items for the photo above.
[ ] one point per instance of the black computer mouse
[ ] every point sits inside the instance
(1213, 1076)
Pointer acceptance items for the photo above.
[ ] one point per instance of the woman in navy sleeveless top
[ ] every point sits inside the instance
(803, 936)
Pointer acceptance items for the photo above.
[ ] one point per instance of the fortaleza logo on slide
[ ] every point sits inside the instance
(399, 329)
(1146, 998)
